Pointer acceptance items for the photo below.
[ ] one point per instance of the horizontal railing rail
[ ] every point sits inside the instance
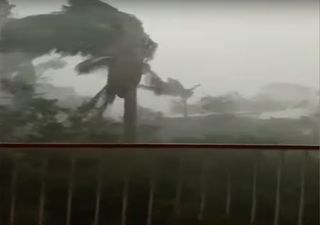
(154, 146)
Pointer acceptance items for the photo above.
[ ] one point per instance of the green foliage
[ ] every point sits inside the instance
(240, 130)
(42, 120)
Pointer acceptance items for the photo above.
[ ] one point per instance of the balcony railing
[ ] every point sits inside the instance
(140, 184)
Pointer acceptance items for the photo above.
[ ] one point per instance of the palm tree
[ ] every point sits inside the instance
(171, 87)
(5, 10)
(106, 36)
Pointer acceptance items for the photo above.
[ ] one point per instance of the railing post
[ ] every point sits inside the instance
(98, 193)
(2, 194)
(177, 200)
(278, 188)
(14, 178)
(254, 188)
(228, 192)
(70, 189)
(203, 190)
(302, 188)
(42, 196)
(151, 199)
(125, 195)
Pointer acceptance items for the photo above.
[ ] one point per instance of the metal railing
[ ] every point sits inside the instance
(154, 184)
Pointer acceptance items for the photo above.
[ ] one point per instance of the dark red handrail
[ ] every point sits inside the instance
(151, 146)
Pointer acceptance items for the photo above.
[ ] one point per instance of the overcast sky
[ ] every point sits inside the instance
(224, 47)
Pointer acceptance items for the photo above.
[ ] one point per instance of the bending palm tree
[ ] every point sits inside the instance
(92, 28)
(171, 87)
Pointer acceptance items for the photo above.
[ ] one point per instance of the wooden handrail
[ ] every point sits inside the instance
(154, 146)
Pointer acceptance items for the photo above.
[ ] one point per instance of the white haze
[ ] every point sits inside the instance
(223, 47)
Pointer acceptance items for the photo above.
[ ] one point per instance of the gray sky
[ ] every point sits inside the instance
(224, 47)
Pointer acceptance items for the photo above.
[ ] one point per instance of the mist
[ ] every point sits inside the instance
(224, 47)
(252, 61)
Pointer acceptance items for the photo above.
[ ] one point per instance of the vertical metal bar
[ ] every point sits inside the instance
(125, 195)
(254, 189)
(1, 196)
(70, 189)
(177, 200)
(14, 178)
(151, 200)
(2, 193)
(278, 189)
(98, 194)
(302, 188)
(42, 196)
(229, 195)
(203, 191)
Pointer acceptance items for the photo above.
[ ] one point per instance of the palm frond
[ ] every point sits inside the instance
(92, 64)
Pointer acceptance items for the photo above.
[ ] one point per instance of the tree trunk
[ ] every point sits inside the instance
(185, 108)
(130, 116)
(3, 18)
